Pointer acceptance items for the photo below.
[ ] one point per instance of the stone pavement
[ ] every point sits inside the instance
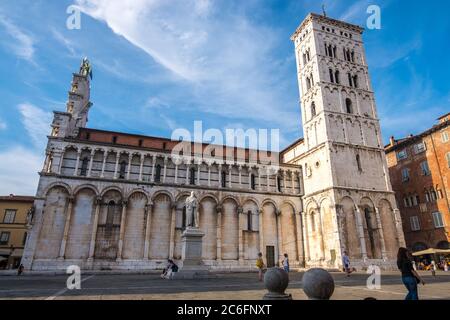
(229, 286)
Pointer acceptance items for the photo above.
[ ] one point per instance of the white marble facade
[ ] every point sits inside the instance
(108, 206)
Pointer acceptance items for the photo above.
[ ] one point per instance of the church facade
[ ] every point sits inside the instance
(116, 201)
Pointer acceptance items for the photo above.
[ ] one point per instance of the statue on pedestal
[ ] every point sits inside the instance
(192, 211)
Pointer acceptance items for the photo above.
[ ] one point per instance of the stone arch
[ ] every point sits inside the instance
(163, 192)
(160, 225)
(55, 185)
(370, 226)
(328, 228)
(109, 222)
(270, 231)
(251, 220)
(111, 188)
(230, 197)
(208, 224)
(134, 191)
(134, 236)
(53, 221)
(86, 186)
(80, 229)
(230, 228)
(389, 228)
(349, 230)
(289, 236)
(69, 160)
(209, 195)
(182, 195)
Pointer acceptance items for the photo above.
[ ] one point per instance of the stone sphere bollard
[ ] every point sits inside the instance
(318, 284)
(276, 281)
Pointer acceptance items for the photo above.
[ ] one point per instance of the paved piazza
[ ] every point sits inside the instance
(236, 286)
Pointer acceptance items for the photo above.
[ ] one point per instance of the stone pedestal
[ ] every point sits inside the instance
(192, 266)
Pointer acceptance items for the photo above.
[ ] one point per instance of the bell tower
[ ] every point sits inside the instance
(67, 124)
(342, 153)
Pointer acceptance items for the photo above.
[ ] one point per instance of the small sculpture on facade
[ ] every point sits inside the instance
(192, 211)
(30, 216)
(86, 68)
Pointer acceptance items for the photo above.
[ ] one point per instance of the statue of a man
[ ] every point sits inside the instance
(86, 68)
(192, 211)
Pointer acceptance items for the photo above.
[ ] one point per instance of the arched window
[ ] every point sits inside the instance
(252, 181)
(336, 77)
(308, 56)
(308, 83)
(249, 220)
(279, 183)
(110, 216)
(313, 110)
(331, 75)
(433, 195)
(304, 59)
(158, 173)
(330, 50)
(370, 230)
(358, 162)
(313, 221)
(355, 81)
(427, 196)
(353, 56)
(348, 106)
(192, 176)
(350, 82)
(84, 167)
(334, 51)
(183, 217)
(224, 179)
(123, 168)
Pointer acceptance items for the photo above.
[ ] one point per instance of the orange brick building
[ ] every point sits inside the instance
(419, 167)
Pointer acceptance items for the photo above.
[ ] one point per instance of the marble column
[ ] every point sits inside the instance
(62, 249)
(220, 176)
(292, 182)
(230, 184)
(141, 167)
(279, 238)
(199, 166)
(77, 164)
(360, 230)
(130, 159)
(398, 228)
(381, 234)
(219, 233)
(116, 167)
(172, 231)
(240, 212)
(98, 202)
(91, 162)
(262, 247)
(176, 173)
(298, 236)
(165, 169)
(240, 176)
(306, 236)
(268, 179)
(148, 224)
(122, 230)
(105, 156)
(153, 167)
(209, 174)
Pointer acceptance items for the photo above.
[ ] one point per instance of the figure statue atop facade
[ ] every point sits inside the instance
(86, 68)
(192, 211)
(30, 216)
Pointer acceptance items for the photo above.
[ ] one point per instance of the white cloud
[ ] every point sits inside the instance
(23, 46)
(3, 125)
(65, 42)
(19, 171)
(225, 60)
(37, 123)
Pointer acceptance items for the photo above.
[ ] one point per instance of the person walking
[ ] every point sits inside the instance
(260, 266)
(346, 264)
(433, 268)
(286, 263)
(20, 270)
(167, 273)
(410, 277)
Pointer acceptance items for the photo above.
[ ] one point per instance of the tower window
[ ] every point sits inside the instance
(249, 220)
(350, 82)
(313, 110)
(313, 221)
(252, 182)
(84, 167)
(158, 173)
(331, 75)
(348, 106)
(334, 51)
(224, 179)
(358, 162)
(353, 56)
(336, 77)
(279, 183)
(192, 176)
(355, 81)
(123, 168)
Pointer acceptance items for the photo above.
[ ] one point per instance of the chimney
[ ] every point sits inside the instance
(392, 141)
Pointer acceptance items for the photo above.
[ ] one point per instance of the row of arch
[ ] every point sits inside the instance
(366, 230)
(112, 225)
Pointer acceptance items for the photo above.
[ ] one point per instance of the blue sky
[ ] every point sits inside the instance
(161, 64)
